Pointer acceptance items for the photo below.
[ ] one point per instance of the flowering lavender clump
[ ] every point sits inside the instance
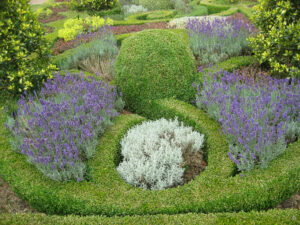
(58, 129)
(104, 32)
(259, 119)
(213, 40)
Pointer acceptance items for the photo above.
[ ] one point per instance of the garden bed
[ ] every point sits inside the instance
(60, 45)
(68, 157)
(55, 14)
(219, 191)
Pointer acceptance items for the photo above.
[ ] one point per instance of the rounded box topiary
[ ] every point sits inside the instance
(154, 64)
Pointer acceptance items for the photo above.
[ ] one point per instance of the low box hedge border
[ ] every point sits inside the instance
(274, 216)
(215, 190)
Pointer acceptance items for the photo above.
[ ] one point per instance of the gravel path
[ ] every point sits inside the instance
(34, 2)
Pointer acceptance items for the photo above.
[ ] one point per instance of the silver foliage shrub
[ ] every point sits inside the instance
(153, 153)
(132, 9)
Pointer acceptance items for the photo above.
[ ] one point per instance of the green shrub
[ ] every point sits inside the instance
(94, 5)
(277, 43)
(24, 58)
(114, 12)
(73, 27)
(212, 9)
(154, 64)
(155, 4)
(159, 14)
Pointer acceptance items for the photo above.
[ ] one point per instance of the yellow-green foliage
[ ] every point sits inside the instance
(95, 22)
(73, 27)
(94, 5)
(278, 40)
(24, 53)
(44, 12)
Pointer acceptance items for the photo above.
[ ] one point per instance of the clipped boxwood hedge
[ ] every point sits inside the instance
(288, 216)
(154, 64)
(215, 190)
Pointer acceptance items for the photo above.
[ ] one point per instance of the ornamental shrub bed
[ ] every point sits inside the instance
(57, 130)
(214, 40)
(80, 157)
(107, 194)
(98, 56)
(259, 118)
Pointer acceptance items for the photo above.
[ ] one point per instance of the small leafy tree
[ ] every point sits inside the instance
(24, 58)
(277, 43)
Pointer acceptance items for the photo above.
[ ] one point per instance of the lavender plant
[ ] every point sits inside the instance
(214, 40)
(82, 38)
(97, 56)
(259, 119)
(58, 129)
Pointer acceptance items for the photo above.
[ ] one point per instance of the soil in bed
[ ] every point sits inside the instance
(10, 202)
(54, 16)
(48, 29)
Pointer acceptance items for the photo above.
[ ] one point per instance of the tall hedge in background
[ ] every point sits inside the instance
(155, 4)
(278, 41)
(24, 53)
(94, 5)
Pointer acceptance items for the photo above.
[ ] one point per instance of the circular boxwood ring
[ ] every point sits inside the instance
(215, 190)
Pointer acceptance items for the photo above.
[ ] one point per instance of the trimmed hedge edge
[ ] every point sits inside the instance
(274, 216)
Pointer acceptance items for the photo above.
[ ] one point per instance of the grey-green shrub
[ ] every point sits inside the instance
(180, 5)
(97, 57)
(153, 153)
(132, 9)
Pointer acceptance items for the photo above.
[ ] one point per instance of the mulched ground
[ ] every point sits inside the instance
(60, 45)
(135, 28)
(48, 29)
(292, 203)
(54, 16)
(10, 202)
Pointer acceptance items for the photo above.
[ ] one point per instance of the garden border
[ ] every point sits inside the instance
(215, 190)
(274, 216)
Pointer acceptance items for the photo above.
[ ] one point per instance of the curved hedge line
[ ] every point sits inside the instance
(215, 190)
(270, 217)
